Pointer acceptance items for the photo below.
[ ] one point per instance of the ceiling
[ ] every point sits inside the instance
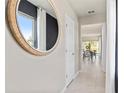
(91, 29)
(91, 32)
(44, 4)
(81, 7)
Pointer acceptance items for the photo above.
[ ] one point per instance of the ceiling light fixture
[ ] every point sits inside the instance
(91, 12)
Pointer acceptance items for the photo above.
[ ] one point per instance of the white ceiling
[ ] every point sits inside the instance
(91, 29)
(81, 7)
(44, 4)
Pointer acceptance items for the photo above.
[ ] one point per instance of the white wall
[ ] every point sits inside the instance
(104, 46)
(26, 73)
(90, 38)
(100, 45)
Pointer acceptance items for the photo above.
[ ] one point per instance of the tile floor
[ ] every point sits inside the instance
(90, 80)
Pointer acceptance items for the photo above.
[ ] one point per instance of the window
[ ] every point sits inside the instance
(91, 45)
(26, 26)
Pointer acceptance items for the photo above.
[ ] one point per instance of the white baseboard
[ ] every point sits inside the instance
(75, 76)
(64, 89)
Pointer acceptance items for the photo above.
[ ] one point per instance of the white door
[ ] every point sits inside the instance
(70, 50)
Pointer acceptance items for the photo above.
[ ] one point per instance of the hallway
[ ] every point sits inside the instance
(91, 79)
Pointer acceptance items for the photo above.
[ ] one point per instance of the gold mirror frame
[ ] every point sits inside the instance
(12, 21)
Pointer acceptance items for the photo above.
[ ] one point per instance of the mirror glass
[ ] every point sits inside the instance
(37, 23)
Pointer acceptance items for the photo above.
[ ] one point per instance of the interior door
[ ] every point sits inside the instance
(70, 50)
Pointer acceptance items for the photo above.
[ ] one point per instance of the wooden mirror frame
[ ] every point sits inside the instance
(12, 22)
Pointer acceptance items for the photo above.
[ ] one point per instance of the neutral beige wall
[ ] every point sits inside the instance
(26, 73)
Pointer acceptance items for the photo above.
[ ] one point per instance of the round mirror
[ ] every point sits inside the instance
(36, 26)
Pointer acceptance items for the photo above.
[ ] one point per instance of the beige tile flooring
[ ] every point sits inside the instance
(90, 80)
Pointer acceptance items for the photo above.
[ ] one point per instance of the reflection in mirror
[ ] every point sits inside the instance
(26, 28)
(37, 23)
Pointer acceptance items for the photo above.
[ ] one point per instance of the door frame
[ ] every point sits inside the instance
(91, 35)
(111, 42)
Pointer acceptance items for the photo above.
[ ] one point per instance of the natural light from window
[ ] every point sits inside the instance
(26, 27)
